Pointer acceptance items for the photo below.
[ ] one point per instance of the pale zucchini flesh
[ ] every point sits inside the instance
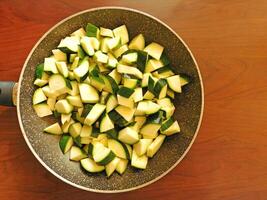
(90, 165)
(155, 145)
(54, 129)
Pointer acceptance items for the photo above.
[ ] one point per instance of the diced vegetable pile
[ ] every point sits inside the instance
(112, 98)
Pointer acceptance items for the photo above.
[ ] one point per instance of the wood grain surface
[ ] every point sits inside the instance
(229, 157)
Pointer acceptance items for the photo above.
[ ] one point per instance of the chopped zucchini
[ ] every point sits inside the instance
(114, 43)
(153, 124)
(153, 65)
(87, 46)
(111, 103)
(104, 97)
(138, 42)
(122, 33)
(184, 79)
(102, 138)
(102, 155)
(85, 140)
(165, 102)
(155, 145)
(94, 114)
(166, 124)
(126, 112)
(150, 131)
(112, 61)
(71, 75)
(40, 82)
(38, 96)
(140, 120)
(142, 60)
(115, 75)
(139, 162)
(97, 82)
(138, 95)
(110, 84)
(106, 32)
(42, 110)
(82, 69)
(106, 124)
(89, 165)
(75, 129)
(69, 45)
(170, 93)
(118, 52)
(58, 84)
(74, 88)
(130, 82)
(145, 79)
(51, 103)
(166, 106)
(71, 57)
(101, 57)
(86, 131)
(129, 70)
(65, 118)
(79, 33)
(111, 167)
(75, 100)
(104, 45)
(149, 95)
(125, 92)
(77, 154)
(59, 55)
(65, 126)
(154, 50)
(174, 128)
(122, 166)
(62, 68)
(88, 93)
(128, 136)
(65, 143)
(95, 43)
(54, 129)
(130, 58)
(140, 147)
(113, 133)
(63, 106)
(118, 148)
(147, 107)
(50, 65)
(127, 102)
(164, 74)
(174, 83)
(160, 89)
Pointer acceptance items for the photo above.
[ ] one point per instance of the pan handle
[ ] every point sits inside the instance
(8, 93)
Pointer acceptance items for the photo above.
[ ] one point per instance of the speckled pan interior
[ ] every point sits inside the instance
(188, 104)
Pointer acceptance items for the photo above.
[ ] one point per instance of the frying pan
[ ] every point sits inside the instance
(189, 104)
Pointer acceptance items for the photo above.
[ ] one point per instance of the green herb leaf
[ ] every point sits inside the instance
(39, 70)
(91, 30)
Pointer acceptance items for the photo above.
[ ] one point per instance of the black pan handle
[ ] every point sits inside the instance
(8, 93)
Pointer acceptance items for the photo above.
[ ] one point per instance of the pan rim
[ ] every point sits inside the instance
(121, 190)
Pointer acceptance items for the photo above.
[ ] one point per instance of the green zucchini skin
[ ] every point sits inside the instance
(125, 92)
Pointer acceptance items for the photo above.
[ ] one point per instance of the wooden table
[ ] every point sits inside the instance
(229, 157)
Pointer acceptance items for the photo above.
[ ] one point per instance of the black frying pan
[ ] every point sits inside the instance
(189, 105)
